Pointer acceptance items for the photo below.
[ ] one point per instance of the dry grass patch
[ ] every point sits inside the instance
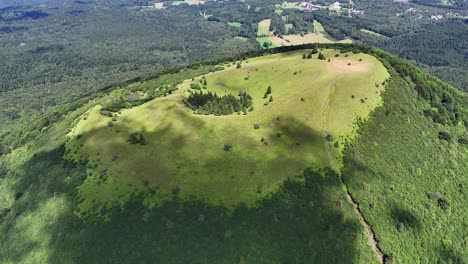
(264, 27)
(344, 65)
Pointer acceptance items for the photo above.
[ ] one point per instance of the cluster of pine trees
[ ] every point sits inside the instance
(209, 103)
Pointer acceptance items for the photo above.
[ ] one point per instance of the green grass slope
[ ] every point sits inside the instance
(409, 181)
(184, 152)
(408, 178)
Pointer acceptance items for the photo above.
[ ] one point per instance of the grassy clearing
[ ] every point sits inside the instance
(241, 38)
(279, 12)
(296, 39)
(373, 33)
(289, 5)
(184, 152)
(318, 28)
(264, 28)
(264, 40)
(189, 2)
(234, 24)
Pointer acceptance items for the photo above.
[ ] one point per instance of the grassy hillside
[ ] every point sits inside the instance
(408, 178)
(184, 151)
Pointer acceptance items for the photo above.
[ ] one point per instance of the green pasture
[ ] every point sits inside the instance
(184, 153)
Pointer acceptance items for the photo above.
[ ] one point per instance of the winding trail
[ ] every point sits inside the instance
(367, 228)
(370, 233)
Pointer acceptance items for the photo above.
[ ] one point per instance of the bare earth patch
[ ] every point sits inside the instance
(340, 65)
(159, 5)
(195, 2)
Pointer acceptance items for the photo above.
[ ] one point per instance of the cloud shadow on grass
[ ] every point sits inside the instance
(302, 222)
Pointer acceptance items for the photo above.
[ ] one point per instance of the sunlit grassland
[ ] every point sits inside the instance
(184, 152)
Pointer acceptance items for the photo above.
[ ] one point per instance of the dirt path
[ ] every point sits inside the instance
(369, 232)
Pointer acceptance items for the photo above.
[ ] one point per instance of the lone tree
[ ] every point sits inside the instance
(268, 91)
(304, 56)
(256, 126)
(204, 82)
(271, 99)
(321, 56)
(227, 147)
(238, 65)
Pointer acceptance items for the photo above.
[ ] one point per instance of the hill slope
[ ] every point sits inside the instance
(183, 151)
(414, 205)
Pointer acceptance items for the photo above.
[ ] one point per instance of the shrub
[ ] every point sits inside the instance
(256, 126)
(18, 195)
(136, 138)
(227, 147)
(321, 56)
(195, 86)
(444, 136)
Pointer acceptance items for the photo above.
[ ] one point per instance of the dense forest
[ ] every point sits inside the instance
(209, 103)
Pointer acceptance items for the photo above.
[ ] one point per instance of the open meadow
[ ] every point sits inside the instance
(264, 28)
(303, 123)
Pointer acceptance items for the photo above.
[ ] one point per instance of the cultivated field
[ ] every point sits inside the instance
(234, 24)
(264, 28)
(189, 2)
(319, 36)
(312, 100)
(288, 40)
